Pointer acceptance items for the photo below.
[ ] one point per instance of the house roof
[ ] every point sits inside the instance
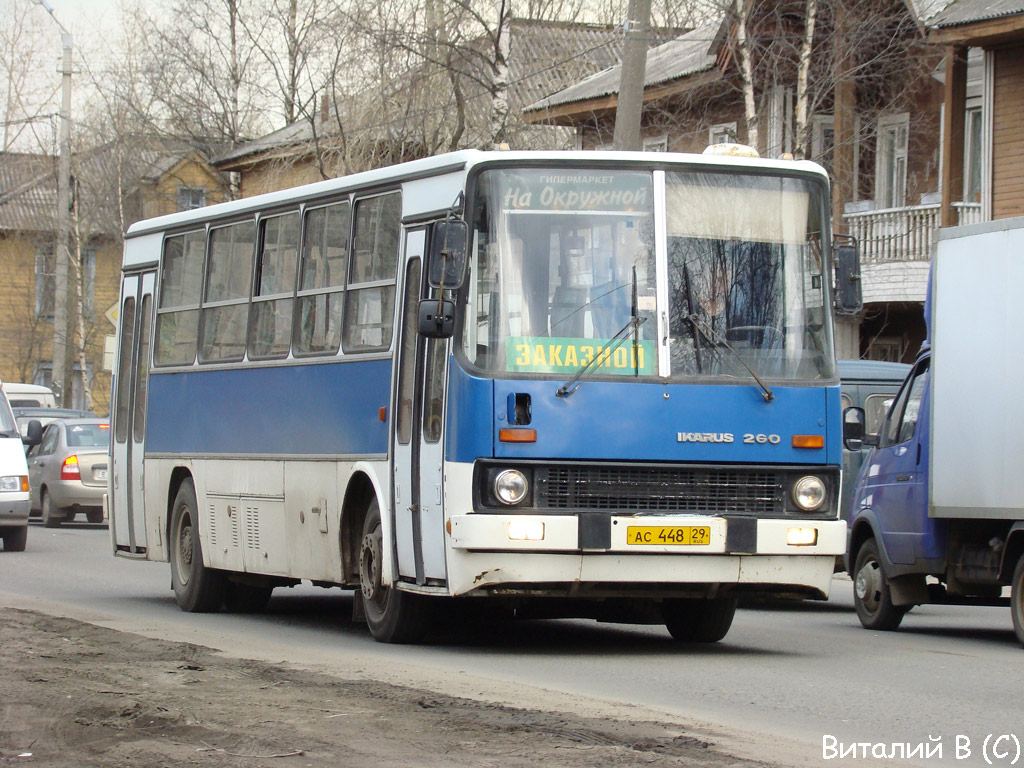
(924, 10)
(686, 55)
(543, 57)
(28, 192)
(969, 11)
(28, 183)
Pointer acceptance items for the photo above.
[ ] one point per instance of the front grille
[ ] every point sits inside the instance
(659, 489)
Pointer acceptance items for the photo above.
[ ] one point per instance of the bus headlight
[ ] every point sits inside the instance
(809, 493)
(511, 486)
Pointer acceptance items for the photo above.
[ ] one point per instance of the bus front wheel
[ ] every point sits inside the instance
(392, 615)
(696, 620)
(198, 589)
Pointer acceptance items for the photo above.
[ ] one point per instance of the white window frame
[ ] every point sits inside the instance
(715, 133)
(190, 198)
(819, 123)
(656, 143)
(891, 190)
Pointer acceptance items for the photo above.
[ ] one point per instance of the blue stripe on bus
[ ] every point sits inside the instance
(624, 421)
(325, 409)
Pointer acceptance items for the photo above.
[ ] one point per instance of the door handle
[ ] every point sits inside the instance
(903, 478)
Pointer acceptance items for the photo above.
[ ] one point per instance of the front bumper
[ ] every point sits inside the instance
(484, 553)
(14, 509)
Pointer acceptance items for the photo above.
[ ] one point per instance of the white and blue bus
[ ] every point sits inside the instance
(576, 383)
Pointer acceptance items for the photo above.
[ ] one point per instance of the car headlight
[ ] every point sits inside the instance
(511, 486)
(809, 493)
(14, 483)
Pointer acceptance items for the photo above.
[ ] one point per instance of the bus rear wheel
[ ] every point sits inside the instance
(696, 620)
(198, 589)
(393, 616)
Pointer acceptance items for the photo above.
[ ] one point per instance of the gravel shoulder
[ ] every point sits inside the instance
(78, 694)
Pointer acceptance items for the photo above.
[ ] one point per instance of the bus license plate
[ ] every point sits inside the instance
(673, 535)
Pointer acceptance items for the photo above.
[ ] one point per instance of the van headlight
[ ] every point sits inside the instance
(14, 483)
(809, 493)
(511, 486)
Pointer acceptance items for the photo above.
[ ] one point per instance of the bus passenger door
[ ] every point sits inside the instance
(127, 513)
(418, 459)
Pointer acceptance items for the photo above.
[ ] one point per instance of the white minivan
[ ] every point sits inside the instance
(14, 493)
(29, 395)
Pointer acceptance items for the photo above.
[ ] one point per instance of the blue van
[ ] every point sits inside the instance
(871, 385)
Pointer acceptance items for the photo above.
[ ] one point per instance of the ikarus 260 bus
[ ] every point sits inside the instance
(589, 384)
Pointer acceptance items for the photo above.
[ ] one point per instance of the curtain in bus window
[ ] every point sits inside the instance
(407, 362)
(271, 322)
(746, 284)
(226, 303)
(124, 368)
(178, 314)
(369, 313)
(142, 370)
(322, 273)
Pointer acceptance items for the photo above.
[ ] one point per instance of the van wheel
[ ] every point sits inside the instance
(871, 595)
(393, 616)
(1017, 599)
(15, 539)
(695, 620)
(198, 589)
(94, 515)
(51, 518)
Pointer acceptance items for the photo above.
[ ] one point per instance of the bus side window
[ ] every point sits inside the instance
(177, 322)
(270, 331)
(322, 275)
(225, 312)
(370, 306)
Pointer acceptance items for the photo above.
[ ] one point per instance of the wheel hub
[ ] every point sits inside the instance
(370, 568)
(868, 584)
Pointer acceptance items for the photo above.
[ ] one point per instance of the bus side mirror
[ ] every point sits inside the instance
(447, 263)
(33, 433)
(437, 318)
(853, 428)
(849, 299)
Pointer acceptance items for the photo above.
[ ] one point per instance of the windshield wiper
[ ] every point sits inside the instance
(610, 346)
(714, 337)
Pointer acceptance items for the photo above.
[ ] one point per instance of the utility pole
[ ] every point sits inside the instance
(60, 378)
(631, 83)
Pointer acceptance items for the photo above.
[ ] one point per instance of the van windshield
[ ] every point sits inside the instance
(7, 426)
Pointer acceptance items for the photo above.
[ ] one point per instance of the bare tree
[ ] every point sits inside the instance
(27, 97)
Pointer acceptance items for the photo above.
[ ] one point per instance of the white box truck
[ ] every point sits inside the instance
(941, 493)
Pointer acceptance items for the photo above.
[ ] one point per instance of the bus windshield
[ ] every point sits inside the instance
(725, 278)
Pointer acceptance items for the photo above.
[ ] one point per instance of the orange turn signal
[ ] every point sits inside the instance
(517, 435)
(808, 441)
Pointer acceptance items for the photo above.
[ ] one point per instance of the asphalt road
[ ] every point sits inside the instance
(782, 680)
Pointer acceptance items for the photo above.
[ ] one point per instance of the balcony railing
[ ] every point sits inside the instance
(903, 234)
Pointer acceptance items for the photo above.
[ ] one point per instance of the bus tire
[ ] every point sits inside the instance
(698, 620)
(1017, 599)
(16, 539)
(197, 589)
(871, 595)
(393, 616)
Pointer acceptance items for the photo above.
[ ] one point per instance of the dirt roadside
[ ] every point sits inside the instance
(76, 694)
